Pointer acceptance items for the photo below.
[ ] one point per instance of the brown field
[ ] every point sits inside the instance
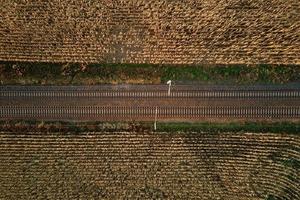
(165, 31)
(149, 166)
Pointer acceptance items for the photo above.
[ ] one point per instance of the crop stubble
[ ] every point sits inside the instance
(149, 165)
(169, 32)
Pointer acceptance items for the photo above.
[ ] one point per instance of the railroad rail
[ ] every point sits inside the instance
(155, 94)
(149, 91)
(146, 103)
(123, 113)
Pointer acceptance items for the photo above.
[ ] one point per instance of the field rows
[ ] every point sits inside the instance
(149, 166)
(160, 32)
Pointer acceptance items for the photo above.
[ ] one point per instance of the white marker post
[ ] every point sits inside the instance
(156, 111)
(169, 90)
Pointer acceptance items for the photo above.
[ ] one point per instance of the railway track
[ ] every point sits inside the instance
(146, 103)
(149, 91)
(154, 94)
(125, 113)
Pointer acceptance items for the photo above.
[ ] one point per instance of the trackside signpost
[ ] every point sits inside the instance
(169, 90)
(155, 120)
(156, 109)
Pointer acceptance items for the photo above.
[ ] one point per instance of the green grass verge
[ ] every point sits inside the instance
(71, 127)
(89, 74)
(253, 127)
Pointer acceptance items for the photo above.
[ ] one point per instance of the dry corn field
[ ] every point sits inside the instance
(149, 166)
(162, 31)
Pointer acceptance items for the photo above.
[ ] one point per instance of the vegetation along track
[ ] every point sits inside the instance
(147, 103)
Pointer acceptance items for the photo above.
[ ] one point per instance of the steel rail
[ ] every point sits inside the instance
(74, 112)
(154, 94)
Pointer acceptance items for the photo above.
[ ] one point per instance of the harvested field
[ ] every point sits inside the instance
(149, 166)
(165, 31)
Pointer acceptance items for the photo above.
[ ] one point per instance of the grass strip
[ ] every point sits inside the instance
(253, 127)
(27, 73)
(77, 127)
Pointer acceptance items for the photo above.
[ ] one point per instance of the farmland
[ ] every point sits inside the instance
(157, 32)
(85, 111)
(147, 165)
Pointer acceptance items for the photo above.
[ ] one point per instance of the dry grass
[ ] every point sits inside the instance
(173, 32)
